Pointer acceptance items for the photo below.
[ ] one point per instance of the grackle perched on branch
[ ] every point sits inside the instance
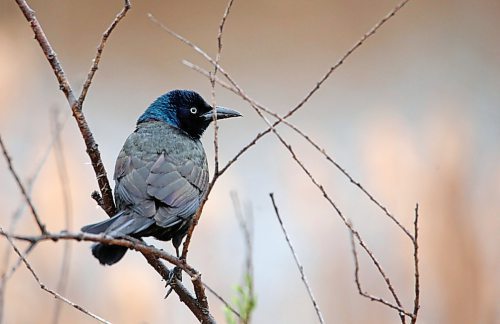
(161, 173)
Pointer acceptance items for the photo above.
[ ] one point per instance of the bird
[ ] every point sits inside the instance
(161, 173)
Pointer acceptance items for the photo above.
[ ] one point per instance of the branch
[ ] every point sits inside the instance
(17, 215)
(238, 90)
(346, 55)
(416, 302)
(289, 148)
(212, 83)
(41, 226)
(363, 293)
(222, 300)
(151, 253)
(100, 48)
(44, 287)
(297, 262)
(201, 313)
(64, 85)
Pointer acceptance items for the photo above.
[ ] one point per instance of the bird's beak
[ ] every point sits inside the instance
(222, 113)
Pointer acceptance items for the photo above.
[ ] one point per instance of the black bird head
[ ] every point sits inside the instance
(186, 110)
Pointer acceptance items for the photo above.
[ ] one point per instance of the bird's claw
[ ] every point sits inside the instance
(176, 273)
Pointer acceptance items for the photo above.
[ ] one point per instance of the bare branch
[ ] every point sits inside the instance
(222, 300)
(294, 156)
(212, 83)
(233, 87)
(128, 242)
(358, 282)
(202, 314)
(297, 262)
(346, 55)
(416, 302)
(15, 218)
(6, 276)
(100, 48)
(64, 85)
(41, 226)
(44, 287)
(200, 310)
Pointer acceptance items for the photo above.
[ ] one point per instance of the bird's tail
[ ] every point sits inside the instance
(106, 254)
(100, 227)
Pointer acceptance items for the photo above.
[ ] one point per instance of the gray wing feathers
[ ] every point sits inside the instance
(171, 184)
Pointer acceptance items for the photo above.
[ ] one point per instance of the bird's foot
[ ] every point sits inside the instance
(175, 274)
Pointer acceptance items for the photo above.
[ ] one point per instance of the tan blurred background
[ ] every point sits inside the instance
(414, 115)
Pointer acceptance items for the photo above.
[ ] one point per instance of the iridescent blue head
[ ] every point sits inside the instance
(185, 110)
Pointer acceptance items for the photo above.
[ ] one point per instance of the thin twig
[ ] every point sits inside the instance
(30, 181)
(44, 287)
(212, 83)
(16, 216)
(64, 85)
(239, 91)
(358, 282)
(68, 215)
(297, 262)
(256, 106)
(244, 96)
(8, 274)
(222, 300)
(41, 226)
(416, 302)
(202, 314)
(100, 48)
(128, 242)
(321, 188)
(289, 148)
(346, 55)
(5, 278)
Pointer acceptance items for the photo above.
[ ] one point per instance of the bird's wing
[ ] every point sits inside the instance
(131, 173)
(179, 187)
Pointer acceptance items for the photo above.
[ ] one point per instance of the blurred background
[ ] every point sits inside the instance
(414, 115)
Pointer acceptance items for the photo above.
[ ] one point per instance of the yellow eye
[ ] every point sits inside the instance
(193, 110)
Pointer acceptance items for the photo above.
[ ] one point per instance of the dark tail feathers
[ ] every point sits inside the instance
(106, 254)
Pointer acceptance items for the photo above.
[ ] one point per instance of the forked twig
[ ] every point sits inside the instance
(41, 226)
(289, 148)
(222, 300)
(358, 282)
(212, 83)
(297, 262)
(64, 85)
(100, 48)
(44, 287)
(239, 91)
(371, 32)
